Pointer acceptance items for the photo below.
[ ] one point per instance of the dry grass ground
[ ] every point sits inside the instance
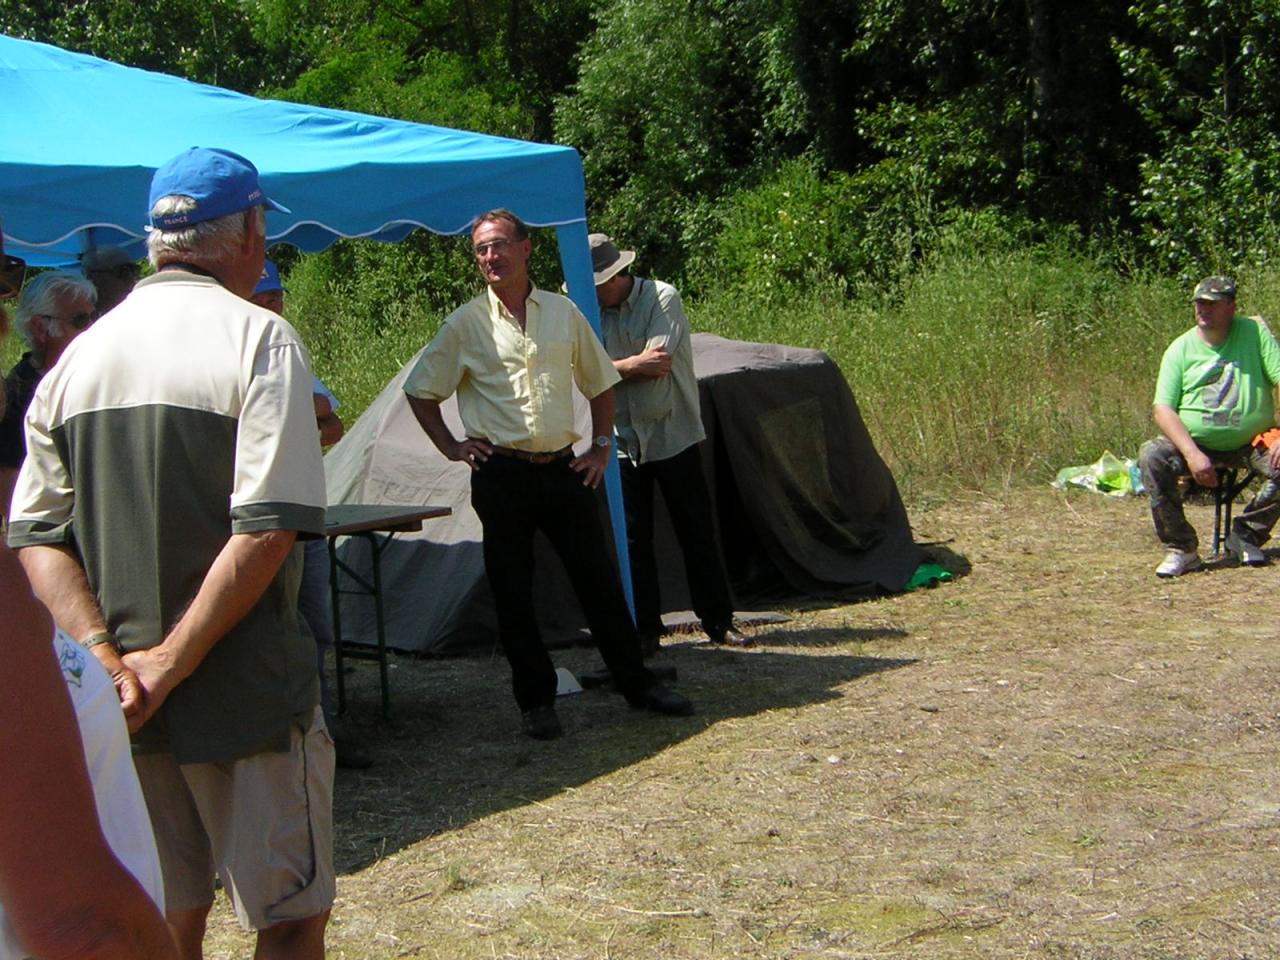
(1055, 756)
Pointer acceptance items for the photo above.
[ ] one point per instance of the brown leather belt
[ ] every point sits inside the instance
(562, 454)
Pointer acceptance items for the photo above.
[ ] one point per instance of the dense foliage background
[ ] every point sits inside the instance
(1003, 196)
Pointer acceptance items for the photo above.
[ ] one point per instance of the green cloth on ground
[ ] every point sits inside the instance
(928, 575)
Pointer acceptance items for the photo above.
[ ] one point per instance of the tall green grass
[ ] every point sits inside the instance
(990, 369)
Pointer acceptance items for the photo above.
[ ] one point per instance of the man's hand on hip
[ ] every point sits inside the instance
(471, 452)
(590, 466)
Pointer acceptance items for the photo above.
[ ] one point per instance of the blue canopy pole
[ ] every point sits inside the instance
(575, 260)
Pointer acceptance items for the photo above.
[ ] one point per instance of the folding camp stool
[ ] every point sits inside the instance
(1230, 485)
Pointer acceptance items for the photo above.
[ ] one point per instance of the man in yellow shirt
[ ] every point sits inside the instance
(513, 355)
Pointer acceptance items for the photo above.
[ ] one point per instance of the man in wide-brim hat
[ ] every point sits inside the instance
(659, 430)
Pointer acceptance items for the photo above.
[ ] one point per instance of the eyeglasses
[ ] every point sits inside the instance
(12, 270)
(493, 246)
(78, 320)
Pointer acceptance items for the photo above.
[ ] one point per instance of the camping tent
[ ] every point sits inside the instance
(805, 505)
(73, 174)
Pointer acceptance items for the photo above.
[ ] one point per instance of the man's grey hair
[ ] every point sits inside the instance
(501, 214)
(40, 297)
(209, 243)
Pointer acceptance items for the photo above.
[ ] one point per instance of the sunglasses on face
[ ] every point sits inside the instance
(12, 270)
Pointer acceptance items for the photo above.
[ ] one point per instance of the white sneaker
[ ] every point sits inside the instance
(1250, 554)
(1178, 562)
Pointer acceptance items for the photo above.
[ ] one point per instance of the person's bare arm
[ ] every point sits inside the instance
(1198, 462)
(592, 463)
(471, 452)
(60, 583)
(55, 863)
(651, 363)
(240, 574)
(329, 423)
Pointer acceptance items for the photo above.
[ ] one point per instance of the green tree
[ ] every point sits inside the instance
(676, 103)
(509, 58)
(1205, 77)
(206, 40)
(1016, 104)
(958, 104)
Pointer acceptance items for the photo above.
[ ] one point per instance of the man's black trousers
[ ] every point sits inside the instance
(514, 500)
(685, 492)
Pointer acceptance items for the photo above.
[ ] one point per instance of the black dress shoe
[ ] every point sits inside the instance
(541, 723)
(659, 699)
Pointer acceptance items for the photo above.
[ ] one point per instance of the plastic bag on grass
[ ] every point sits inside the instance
(1109, 474)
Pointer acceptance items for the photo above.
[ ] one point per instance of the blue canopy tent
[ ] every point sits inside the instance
(81, 138)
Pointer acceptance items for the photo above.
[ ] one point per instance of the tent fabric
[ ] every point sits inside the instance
(68, 164)
(805, 505)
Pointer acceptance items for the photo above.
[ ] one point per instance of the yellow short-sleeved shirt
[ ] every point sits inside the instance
(515, 388)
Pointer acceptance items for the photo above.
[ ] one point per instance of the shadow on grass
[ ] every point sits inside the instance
(453, 751)
(957, 564)
(827, 636)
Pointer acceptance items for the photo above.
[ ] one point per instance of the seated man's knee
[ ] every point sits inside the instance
(1155, 452)
(1160, 463)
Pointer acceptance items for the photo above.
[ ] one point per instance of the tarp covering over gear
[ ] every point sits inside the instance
(804, 503)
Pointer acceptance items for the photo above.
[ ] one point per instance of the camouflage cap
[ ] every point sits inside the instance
(1215, 288)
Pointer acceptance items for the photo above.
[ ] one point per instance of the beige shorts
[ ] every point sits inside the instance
(263, 825)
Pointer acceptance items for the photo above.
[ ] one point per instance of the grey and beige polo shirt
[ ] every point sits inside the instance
(182, 417)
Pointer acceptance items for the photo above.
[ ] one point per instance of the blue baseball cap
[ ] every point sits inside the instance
(219, 181)
(270, 279)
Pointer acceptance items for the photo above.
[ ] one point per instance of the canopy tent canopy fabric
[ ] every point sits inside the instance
(80, 138)
(69, 163)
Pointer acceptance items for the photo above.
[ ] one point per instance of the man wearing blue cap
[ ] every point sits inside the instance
(172, 461)
(1213, 401)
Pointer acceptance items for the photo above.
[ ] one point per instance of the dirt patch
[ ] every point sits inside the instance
(1057, 755)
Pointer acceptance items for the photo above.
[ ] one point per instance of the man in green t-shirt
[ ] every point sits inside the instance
(1213, 396)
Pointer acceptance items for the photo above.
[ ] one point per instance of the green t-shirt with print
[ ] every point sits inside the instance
(1222, 394)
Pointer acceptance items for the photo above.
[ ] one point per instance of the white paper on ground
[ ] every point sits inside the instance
(566, 683)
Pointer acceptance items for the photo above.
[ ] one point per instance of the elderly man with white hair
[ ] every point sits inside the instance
(172, 462)
(52, 311)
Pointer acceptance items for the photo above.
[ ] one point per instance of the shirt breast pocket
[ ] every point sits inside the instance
(553, 361)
